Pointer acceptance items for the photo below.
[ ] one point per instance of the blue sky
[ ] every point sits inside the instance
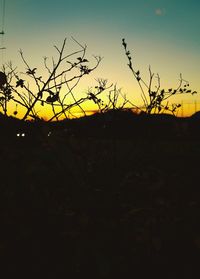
(160, 33)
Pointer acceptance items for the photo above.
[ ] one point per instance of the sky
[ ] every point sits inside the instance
(161, 33)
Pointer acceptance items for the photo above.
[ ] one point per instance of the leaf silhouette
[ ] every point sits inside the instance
(49, 99)
(124, 43)
(3, 80)
(31, 72)
(20, 83)
(52, 99)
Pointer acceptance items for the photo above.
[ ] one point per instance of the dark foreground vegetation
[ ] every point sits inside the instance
(106, 196)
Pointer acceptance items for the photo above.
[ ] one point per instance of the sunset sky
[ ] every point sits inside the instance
(162, 33)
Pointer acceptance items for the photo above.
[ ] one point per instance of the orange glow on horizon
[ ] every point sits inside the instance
(186, 110)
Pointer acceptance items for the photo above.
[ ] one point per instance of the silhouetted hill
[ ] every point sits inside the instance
(196, 116)
(112, 124)
(126, 124)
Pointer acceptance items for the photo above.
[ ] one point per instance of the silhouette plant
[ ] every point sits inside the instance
(5, 92)
(114, 100)
(55, 88)
(156, 100)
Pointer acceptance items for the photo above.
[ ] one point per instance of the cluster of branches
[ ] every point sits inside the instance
(29, 89)
(156, 100)
(114, 99)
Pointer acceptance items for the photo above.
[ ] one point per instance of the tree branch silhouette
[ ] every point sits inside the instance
(29, 88)
(154, 100)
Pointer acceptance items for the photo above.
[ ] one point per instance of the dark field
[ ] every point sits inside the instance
(103, 208)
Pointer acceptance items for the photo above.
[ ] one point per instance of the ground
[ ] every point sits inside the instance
(102, 208)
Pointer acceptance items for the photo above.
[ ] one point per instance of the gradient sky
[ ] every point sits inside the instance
(163, 34)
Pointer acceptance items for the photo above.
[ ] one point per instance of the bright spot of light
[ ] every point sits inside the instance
(160, 12)
(21, 134)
